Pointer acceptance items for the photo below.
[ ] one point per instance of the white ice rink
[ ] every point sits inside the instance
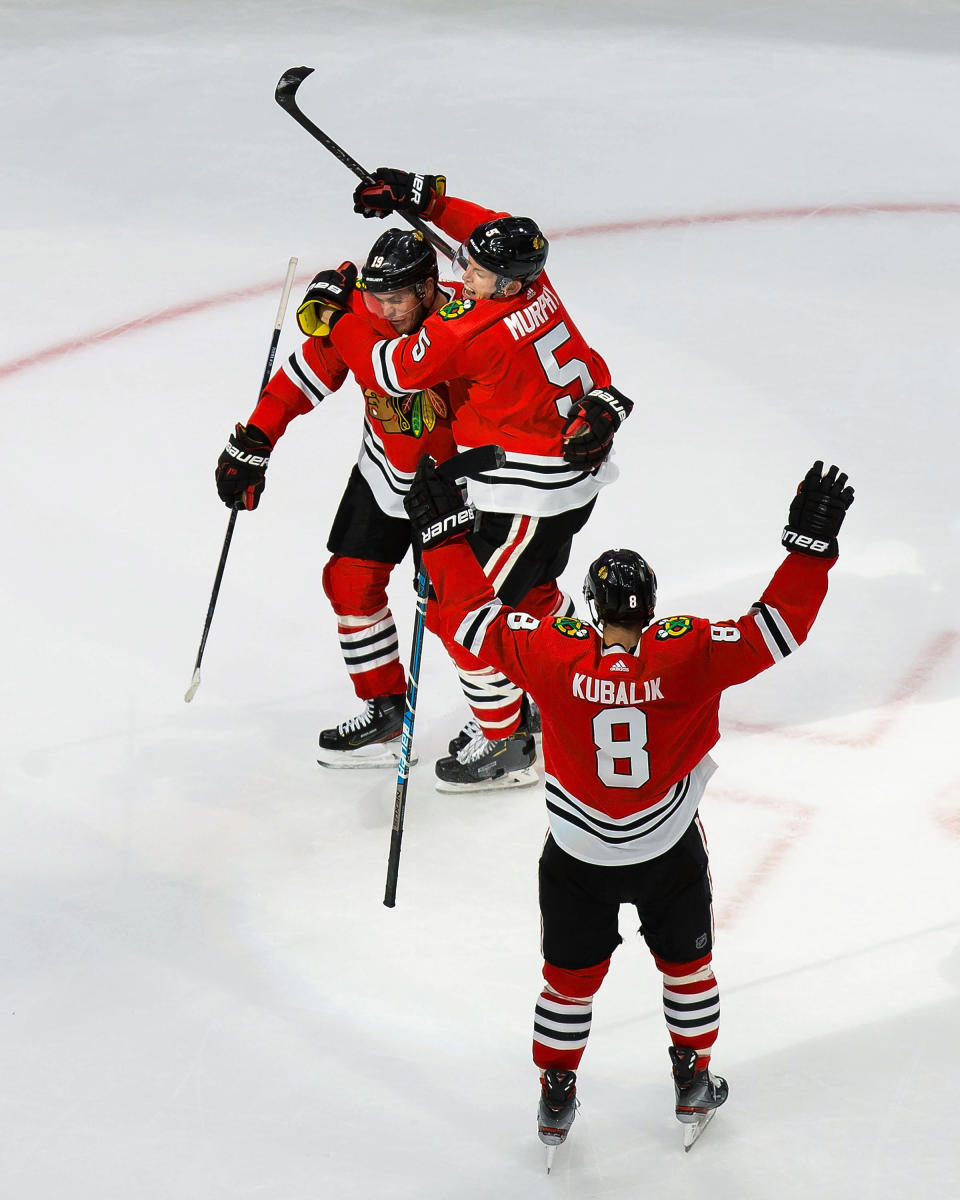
(755, 217)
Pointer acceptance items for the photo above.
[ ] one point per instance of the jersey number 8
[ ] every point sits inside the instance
(620, 736)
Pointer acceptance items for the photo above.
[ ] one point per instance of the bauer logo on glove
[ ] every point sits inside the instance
(817, 512)
(437, 508)
(458, 522)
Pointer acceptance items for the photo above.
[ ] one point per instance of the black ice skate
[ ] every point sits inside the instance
(370, 739)
(530, 721)
(558, 1107)
(483, 765)
(466, 734)
(699, 1093)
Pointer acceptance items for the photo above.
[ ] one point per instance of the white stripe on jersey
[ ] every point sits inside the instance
(305, 378)
(775, 632)
(381, 358)
(389, 485)
(540, 484)
(473, 627)
(593, 836)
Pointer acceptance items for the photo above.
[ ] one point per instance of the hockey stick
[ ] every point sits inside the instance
(275, 341)
(286, 97)
(470, 462)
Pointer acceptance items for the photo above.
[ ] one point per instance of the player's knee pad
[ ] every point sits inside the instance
(579, 984)
(356, 587)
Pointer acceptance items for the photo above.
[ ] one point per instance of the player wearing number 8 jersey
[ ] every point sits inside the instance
(629, 716)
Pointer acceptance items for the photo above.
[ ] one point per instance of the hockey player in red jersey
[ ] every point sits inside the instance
(534, 386)
(370, 534)
(630, 714)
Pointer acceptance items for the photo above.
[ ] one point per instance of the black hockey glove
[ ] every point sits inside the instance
(242, 467)
(436, 507)
(590, 425)
(392, 189)
(326, 300)
(817, 512)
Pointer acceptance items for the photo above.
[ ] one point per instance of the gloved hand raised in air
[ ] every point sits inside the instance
(326, 300)
(590, 425)
(817, 512)
(436, 507)
(242, 467)
(392, 189)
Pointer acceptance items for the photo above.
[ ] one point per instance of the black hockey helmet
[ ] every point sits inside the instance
(399, 258)
(621, 587)
(511, 247)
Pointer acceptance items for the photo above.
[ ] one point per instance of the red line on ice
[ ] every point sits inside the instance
(799, 818)
(174, 313)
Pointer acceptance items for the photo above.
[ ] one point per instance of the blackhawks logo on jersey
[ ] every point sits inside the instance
(673, 627)
(412, 415)
(454, 309)
(571, 627)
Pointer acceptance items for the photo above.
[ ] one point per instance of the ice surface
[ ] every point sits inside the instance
(203, 995)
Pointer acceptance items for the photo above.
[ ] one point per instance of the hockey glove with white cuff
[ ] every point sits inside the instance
(817, 512)
(392, 189)
(326, 300)
(242, 467)
(436, 507)
(590, 425)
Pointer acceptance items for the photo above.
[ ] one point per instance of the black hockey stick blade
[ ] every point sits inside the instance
(473, 462)
(286, 97)
(289, 82)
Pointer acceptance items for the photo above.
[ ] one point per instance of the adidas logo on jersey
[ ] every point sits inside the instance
(619, 665)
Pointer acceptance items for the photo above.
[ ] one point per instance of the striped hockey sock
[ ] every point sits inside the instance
(691, 1006)
(561, 1027)
(493, 700)
(369, 645)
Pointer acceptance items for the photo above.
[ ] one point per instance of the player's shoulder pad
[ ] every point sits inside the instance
(570, 627)
(454, 309)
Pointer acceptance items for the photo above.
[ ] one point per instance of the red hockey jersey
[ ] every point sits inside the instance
(523, 362)
(626, 736)
(393, 439)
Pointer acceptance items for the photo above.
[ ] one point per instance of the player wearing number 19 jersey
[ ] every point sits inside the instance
(524, 364)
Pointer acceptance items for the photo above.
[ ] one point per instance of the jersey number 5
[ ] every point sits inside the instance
(620, 736)
(561, 375)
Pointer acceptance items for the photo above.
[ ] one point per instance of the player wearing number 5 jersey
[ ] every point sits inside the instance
(629, 716)
(534, 386)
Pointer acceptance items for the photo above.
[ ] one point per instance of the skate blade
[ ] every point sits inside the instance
(692, 1132)
(551, 1151)
(365, 759)
(512, 779)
